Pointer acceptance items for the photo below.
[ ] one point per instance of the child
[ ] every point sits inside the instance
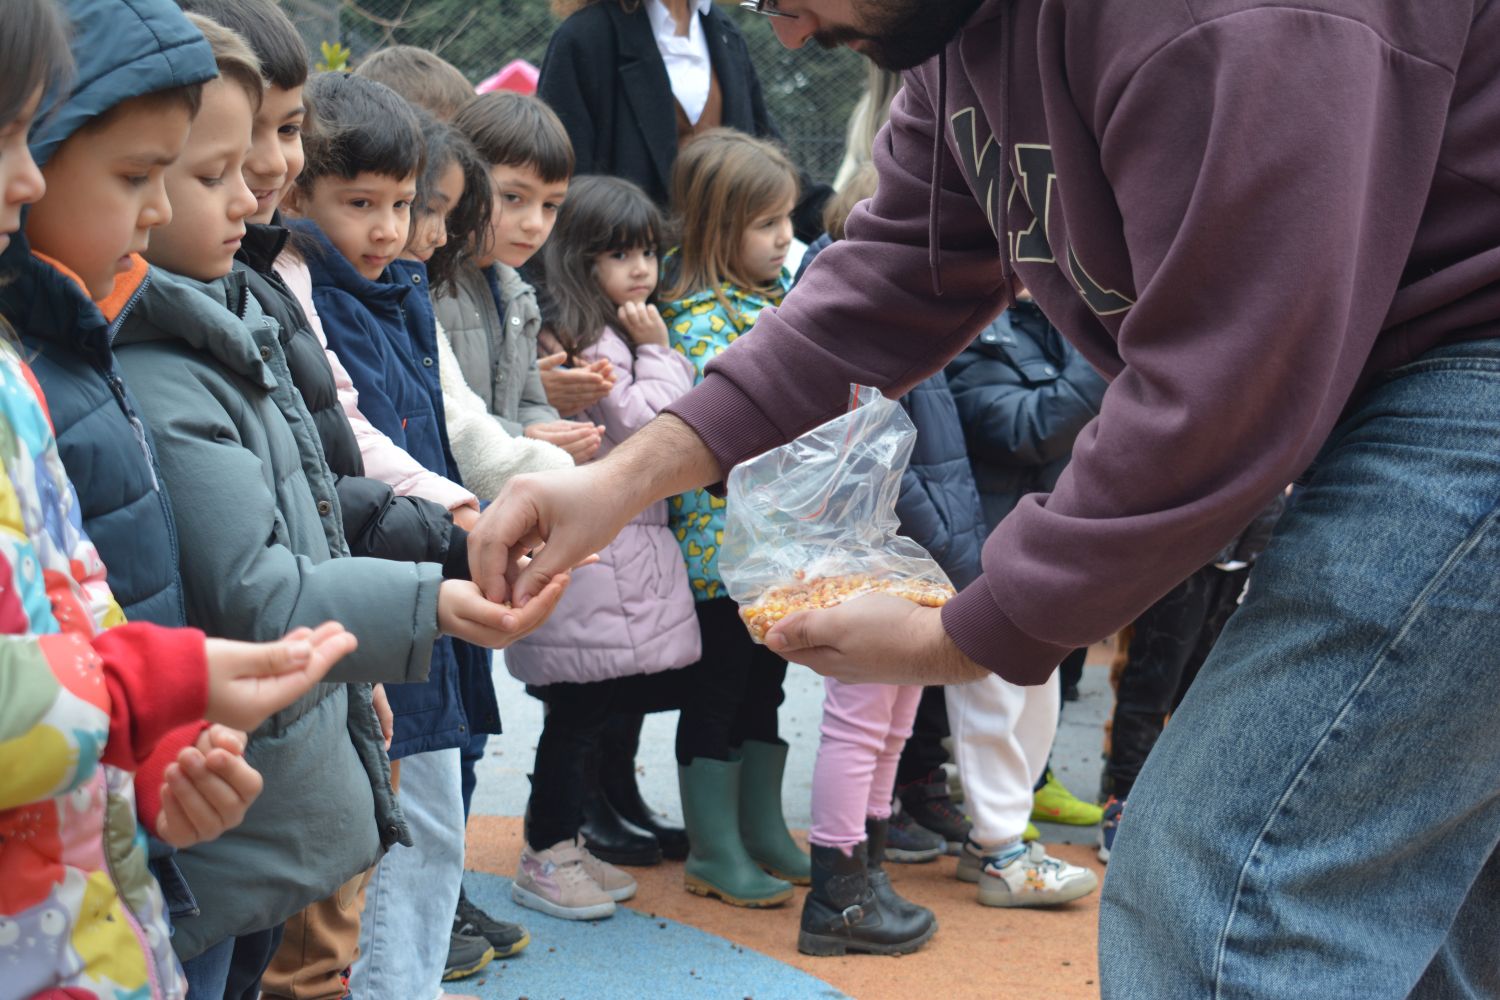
(87, 703)
(734, 196)
(865, 726)
(1023, 395)
(490, 314)
(234, 435)
(426, 80)
(630, 617)
(354, 206)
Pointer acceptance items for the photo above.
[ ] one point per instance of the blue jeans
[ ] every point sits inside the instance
(413, 895)
(1321, 815)
(231, 969)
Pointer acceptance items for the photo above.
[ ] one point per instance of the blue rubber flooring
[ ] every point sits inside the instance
(630, 956)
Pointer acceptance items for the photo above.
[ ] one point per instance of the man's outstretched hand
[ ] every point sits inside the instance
(579, 511)
(875, 639)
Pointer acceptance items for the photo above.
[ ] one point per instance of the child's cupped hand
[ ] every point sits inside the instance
(207, 789)
(580, 440)
(643, 322)
(570, 391)
(249, 681)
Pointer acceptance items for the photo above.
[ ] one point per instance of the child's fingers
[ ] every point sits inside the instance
(225, 738)
(195, 808)
(172, 824)
(551, 361)
(240, 783)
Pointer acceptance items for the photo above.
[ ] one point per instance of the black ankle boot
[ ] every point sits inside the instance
(880, 882)
(610, 837)
(842, 912)
(617, 778)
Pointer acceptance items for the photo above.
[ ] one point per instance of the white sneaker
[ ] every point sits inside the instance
(617, 885)
(1030, 878)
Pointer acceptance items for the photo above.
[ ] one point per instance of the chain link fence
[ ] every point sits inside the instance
(810, 92)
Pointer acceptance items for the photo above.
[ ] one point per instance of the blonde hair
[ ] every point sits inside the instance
(868, 118)
(722, 181)
(424, 78)
(859, 187)
(236, 60)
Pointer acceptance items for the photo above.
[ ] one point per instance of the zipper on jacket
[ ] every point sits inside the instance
(117, 385)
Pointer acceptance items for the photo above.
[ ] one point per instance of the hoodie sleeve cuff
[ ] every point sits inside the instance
(985, 634)
(730, 423)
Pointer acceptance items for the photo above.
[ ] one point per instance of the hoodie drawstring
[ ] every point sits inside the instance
(1006, 178)
(934, 198)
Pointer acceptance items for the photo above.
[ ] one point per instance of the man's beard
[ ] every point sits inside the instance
(901, 34)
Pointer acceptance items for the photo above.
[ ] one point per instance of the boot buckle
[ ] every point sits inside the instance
(852, 914)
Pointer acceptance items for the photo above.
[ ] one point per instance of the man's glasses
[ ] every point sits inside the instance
(766, 7)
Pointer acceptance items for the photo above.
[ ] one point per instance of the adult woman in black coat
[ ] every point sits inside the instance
(605, 76)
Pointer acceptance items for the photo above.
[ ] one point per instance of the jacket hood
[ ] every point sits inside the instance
(330, 267)
(124, 49)
(211, 317)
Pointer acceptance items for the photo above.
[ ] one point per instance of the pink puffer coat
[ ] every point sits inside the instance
(632, 613)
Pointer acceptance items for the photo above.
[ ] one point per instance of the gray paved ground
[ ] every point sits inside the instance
(503, 787)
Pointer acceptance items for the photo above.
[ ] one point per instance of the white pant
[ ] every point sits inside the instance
(1002, 734)
(409, 905)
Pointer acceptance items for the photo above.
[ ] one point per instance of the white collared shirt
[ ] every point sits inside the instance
(686, 57)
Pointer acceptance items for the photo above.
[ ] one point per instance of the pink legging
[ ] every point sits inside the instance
(864, 728)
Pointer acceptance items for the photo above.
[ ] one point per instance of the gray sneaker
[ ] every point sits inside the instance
(555, 882)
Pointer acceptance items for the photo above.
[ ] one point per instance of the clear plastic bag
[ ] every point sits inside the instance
(813, 523)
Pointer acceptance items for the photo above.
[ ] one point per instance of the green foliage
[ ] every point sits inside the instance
(335, 57)
(810, 92)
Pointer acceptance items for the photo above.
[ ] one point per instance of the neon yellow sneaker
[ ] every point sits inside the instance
(1053, 803)
(1032, 833)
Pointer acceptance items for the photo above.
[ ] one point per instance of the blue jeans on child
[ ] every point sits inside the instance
(232, 968)
(413, 895)
(1321, 815)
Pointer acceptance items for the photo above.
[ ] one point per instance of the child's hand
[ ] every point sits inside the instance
(466, 516)
(207, 790)
(570, 391)
(644, 324)
(465, 613)
(384, 714)
(248, 681)
(579, 440)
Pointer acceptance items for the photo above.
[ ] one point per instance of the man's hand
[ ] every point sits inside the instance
(384, 714)
(248, 681)
(579, 440)
(579, 511)
(875, 639)
(570, 391)
(207, 790)
(465, 613)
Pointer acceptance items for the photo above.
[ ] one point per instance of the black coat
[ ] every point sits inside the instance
(377, 523)
(1023, 394)
(605, 78)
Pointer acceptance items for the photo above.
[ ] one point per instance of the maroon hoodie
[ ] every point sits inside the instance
(1238, 210)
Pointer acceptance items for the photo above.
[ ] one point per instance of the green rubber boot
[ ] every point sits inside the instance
(717, 863)
(762, 825)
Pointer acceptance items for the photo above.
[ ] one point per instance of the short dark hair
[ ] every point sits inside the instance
(424, 78)
(34, 52)
(267, 30)
(184, 97)
(518, 130)
(468, 221)
(363, 126)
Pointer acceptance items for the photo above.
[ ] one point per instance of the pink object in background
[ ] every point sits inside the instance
(518, 75)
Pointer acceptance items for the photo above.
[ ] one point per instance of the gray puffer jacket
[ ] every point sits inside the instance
(497, 353)
(262, 552)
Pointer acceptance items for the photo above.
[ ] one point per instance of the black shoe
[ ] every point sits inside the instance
(842, 913)
(506, 938)
(876, 851)
(617, 778)
(926, 801)
(909, 844)
(1070, 692)
(466, 956)
(612, 838)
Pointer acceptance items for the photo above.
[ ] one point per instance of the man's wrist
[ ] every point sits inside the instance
(945, 662)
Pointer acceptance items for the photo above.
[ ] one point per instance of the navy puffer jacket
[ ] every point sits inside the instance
(1023, 394)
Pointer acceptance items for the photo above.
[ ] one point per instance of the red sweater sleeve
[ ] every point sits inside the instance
(158, 681)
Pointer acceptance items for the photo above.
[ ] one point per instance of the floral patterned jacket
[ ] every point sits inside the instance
(701, 329)
(81, 706)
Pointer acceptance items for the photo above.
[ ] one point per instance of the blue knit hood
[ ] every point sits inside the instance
(123, 49)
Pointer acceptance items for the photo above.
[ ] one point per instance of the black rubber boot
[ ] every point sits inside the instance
(880, 882)
(843, 913)
(622, 737)
(609, 836)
